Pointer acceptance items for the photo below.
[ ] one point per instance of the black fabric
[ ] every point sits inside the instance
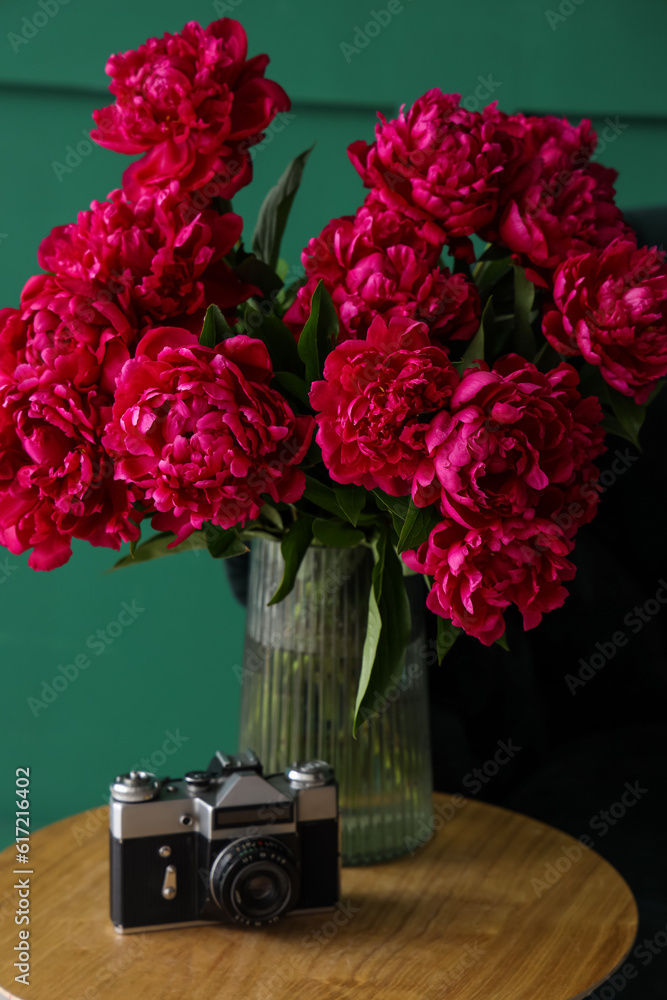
(583, 744)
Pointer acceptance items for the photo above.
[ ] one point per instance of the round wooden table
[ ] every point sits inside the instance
(495, 905)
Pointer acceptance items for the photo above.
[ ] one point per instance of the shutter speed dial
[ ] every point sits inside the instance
(309, 773)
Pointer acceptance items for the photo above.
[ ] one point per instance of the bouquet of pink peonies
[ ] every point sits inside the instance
(158, 371)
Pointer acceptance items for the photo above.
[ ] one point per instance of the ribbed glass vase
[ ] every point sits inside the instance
(301, 668)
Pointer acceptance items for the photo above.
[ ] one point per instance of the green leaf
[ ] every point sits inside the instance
(282, 269)
(223, 543)
(215, 328)
(256, 272)
(611, 426)
(272, 515)
(418, 525)
(318, 334)
(293, 384)
(158, 546)
(591, 382)
(326, 498)
(629, 415)
(369, 656)
(503, 643)
(322, 496)
(523, 341)
(492, 251)
(488, 274)
(388, 629)
(286, 296)
(275, 211)
(476, 347)
(336, 534)
(447, 636)
(657, 389)
(294, 546)
(313, 455)
(626, 418)
(397, 506)
(351, 500)
(277, 337)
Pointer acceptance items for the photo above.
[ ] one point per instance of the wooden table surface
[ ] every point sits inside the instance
(471, 916)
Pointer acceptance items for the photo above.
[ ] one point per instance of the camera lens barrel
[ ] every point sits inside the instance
(255, 881)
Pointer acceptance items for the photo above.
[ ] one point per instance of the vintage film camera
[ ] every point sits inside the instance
(227, 845)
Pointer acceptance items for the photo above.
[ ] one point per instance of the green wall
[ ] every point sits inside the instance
(170, 671)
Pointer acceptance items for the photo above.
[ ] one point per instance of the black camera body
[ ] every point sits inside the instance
(225, 845)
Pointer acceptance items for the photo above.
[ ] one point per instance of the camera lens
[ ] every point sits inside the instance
(255, 881)
(260, 888)
(261, 893)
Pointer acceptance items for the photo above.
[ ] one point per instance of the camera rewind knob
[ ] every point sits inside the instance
(135, 786)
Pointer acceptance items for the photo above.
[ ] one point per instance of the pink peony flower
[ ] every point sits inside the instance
(478, 573)
(439, 164)
(373, 400)
(552, 201)
(56, 481)
(154, 260)
(202, 433)
(541, 150)
(560, 214)
(513, 442)
(12, 342)
(119, 268)
(55, 322)
(378, 263)
(193, 104)
(557, 143)
(611, 307)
